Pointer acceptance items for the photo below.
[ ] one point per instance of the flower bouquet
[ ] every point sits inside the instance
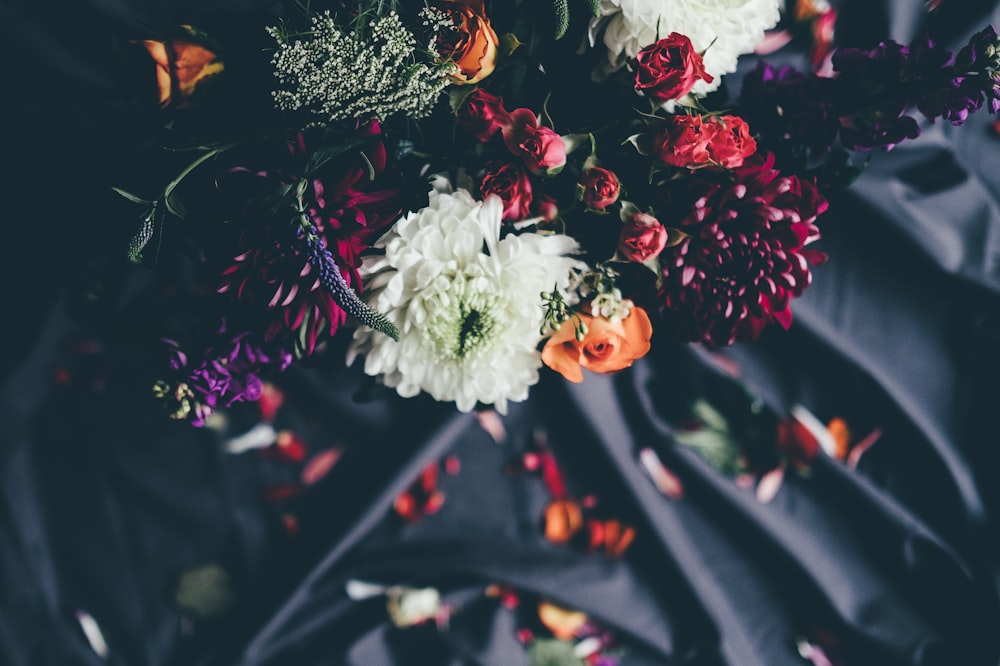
(478, 191)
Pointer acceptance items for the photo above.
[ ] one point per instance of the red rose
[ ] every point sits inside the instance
(540, 148)
(693, 141)
(482, 115)
(642, 237)
(546, 208)
(684, 142)
(598, 188)
(669, 68)
(509, 182)
(732, 143)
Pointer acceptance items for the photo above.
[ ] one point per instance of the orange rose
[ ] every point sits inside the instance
(607, 347)
(471, 43)
(181, 66)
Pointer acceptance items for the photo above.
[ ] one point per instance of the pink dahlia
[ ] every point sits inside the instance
(745, 253)
(272, 271)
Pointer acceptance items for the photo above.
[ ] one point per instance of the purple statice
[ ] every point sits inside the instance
(800, 116)
(229, 371)
(877, 130)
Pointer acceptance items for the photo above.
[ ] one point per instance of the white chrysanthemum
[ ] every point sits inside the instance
(735, 26)
(467, 304)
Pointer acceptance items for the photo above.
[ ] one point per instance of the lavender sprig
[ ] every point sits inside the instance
(333, 280)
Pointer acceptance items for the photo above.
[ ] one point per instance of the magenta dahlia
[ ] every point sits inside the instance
(272, 272)
(745, 253)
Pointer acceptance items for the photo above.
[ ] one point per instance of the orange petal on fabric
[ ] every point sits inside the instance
(563, 623)
(841, 437)
(563, 519)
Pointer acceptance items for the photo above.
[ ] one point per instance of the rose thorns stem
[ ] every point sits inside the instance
(333, 280)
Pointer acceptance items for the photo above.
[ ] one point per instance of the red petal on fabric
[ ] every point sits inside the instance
(665, 480)
(291, 524)
(861, 448)
(406, 507)
(531, 461)
(288, 447)
(433, 503)
(551, 476)
(491, 422)
(320, 465)
(428, 478)
(452, 465)
(280, 492)
(271, 399)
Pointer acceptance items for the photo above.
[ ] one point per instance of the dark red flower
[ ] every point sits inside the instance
(482, 115)
(510, 182)
(598, 188)
(540, 148)
(669, 68)
(745, 255)
(272, 272)
(695, 141)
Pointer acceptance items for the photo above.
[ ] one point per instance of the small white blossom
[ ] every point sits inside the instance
(468, 317)
(338, 75)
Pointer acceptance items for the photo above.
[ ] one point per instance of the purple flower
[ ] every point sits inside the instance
(229, 372)
(789, 109)
(744, 256)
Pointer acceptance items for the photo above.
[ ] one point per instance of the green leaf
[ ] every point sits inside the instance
(595, 7)
(575, 141)
(323, 155)
(174, 205)
(510, 43)
(134, 198)
(713, 441)
(553, 652)
(457, 96)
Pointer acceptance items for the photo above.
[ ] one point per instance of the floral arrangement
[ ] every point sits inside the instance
(482, 190)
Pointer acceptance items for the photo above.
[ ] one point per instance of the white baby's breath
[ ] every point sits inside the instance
(467, 303)
(339, 75)
(726, 28)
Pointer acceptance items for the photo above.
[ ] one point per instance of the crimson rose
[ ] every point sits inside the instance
(642, 237)
(540, 148)
(509, 182)
(482, 115)
(598, 188)
(695, 141)
(669, 68)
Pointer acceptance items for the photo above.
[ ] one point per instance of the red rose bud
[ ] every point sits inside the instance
(695, 141)
(642, 237)
(598, 188)
(732, 143)
(669, 68)
(509, 182)
(482, 115)
(546, 208)
(540, 148)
